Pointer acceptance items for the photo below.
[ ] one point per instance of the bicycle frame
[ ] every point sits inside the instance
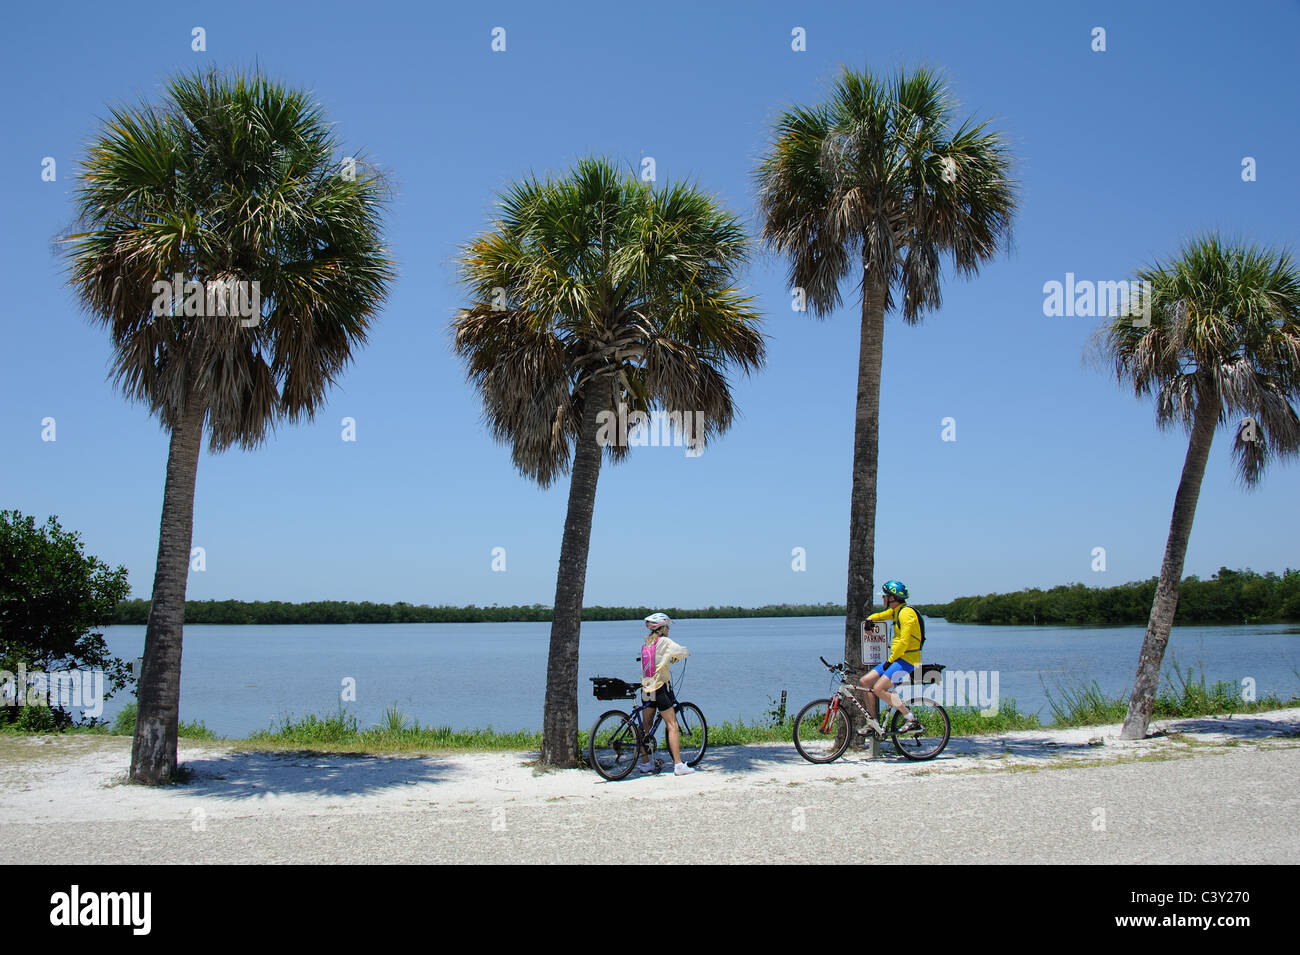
(833, 709)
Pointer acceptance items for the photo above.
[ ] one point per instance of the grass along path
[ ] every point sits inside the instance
(1183, 697)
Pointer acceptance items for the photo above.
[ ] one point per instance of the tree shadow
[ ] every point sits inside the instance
(254, 775)
(1237, 726)
(752, 756)
(1020, 746)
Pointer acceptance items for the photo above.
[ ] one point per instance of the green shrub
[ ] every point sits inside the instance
(124, 725)
(37, 719)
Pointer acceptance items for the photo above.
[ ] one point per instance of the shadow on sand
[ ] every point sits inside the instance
(1244, 726)
(252, 775)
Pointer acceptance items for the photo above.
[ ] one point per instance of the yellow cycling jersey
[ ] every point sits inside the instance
(907, 634)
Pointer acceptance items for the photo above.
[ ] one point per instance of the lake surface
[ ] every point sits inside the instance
(238, 679)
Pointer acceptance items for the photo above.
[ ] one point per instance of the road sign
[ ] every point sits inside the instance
(876, 636)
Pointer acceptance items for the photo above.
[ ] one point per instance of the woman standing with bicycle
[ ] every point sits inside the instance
(658, 653)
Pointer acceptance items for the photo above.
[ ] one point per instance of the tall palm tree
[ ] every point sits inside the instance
(1222, 339)
(592, 291)
(232, 179)
(876, 185)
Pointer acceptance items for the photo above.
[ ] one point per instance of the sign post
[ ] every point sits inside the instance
(876, 637)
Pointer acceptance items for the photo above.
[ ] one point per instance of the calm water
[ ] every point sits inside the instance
(241, 679)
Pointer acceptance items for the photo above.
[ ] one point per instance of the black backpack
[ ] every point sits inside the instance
(920, 619)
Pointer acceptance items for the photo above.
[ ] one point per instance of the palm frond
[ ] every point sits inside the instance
(1225, 329)
(597, 287)
(880, 176)
(233, 177)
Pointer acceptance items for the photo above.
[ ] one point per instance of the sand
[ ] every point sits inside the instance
(74, 779)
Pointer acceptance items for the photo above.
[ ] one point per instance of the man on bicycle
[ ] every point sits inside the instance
(657, 656)
(904, 658)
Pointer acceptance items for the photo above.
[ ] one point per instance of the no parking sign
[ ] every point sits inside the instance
(876, 637)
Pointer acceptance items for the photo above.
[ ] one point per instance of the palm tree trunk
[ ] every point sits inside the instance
(1171, 571)
(866, 450)
(862, 508)
(153, 752)
(560, 714)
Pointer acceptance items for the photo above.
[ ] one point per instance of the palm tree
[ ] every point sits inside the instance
(233, 179)
(592, 292)
(1220, 338)
(879, 176)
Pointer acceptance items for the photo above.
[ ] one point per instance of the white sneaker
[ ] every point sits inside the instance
(646, 767)
(681, 769)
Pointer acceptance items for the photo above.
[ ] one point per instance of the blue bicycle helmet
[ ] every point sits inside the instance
(897, 589)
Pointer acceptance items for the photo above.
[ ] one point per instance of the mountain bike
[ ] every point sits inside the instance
(618, 738)
(822, 728)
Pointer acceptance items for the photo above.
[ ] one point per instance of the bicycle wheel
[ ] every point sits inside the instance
(821, 736)
(612, 748)
(693, 731)
(933, 736)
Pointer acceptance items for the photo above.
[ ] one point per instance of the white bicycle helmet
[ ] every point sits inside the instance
(656, 620)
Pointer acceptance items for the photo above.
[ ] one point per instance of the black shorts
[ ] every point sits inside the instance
(664, 698)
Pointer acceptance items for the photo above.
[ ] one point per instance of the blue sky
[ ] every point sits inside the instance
(1121, 156)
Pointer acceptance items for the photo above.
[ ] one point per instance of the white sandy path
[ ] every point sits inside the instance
(82, 779)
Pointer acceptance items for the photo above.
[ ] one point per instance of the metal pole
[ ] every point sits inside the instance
(875, 743)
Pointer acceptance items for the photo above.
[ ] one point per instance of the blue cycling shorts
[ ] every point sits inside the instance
(897, 671)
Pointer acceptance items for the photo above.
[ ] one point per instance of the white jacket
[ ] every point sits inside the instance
(666, 653)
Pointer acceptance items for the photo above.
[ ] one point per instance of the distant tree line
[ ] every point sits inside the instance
(1230, 596)
(136, 612)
